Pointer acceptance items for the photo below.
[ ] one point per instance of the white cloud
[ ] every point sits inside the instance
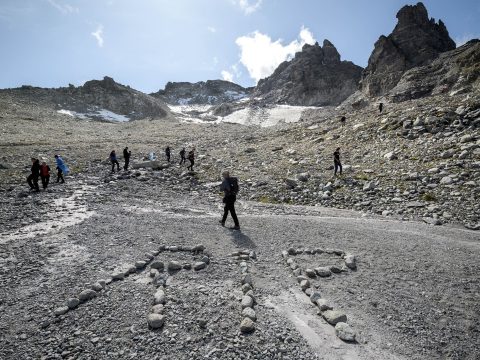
(211, 29)
(63, 7)
(227, 75)
(261, 56)
(460, 40)
(98, 35)
(248, 6)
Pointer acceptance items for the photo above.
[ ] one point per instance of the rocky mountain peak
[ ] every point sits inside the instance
(415, 41)
(315, 76)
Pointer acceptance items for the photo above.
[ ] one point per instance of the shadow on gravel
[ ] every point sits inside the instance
(242, 240)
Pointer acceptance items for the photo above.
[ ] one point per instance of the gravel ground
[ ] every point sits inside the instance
(414, 294)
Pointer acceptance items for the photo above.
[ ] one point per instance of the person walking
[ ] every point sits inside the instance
(32, 179)
(126, 157)
(182, 156)
(336, 161)
(380, 107)
(114, 161)
(230, 188)
(45, 174)
(61, 168)
(167, 153)
(343, 119)
(191, 158)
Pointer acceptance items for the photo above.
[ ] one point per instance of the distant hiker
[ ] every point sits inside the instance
(32, 179)
(336, 161)
(61, 168)
(342, 120)
(191, 158)
(114, 161)
(230, 188)
(167, 153)
(380, 107)
(182, 156)
(45, 174)
(126, 157)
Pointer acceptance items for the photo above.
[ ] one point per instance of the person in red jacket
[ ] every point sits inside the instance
(45, 174)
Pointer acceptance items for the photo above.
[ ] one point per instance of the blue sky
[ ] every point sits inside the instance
(145, 43)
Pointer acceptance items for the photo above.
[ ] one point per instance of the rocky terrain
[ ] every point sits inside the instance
(315, 76)
(96, 99)
(415, 41)
(380, 262)
(211, 92)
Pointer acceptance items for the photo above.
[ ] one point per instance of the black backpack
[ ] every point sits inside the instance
(234, 188)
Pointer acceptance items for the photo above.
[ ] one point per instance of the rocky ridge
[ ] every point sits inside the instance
(211, 92)
(415, 41)
(314, 77)
(96, 99)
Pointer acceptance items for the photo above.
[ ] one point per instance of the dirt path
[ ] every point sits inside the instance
(414, 294)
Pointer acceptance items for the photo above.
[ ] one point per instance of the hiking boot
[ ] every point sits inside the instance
(222, 223)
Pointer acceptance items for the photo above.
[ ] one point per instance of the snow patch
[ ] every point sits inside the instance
(96, 114)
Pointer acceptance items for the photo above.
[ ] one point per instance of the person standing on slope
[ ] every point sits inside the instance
(114, 161)
(168, 153)
(380, 107)
(32, 179)
(191, 158)
(61, 168)
(336, 161)
(230, 188)
(182, 156)
(126, 157)
(45, 174)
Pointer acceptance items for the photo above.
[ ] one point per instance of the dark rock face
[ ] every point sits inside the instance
(315, 77)
(456, 71)
(415, 41)
(211, 92)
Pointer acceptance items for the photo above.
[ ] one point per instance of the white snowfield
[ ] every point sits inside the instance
(260, 116)
(96, 114)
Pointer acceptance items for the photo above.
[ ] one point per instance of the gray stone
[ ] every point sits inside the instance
(247, 301)
(311, 273)
(205, 259)
(335, 269)
(247, 279)
(157, 309)
(315, 296)
(61, 310)
(118, 275)
(199, 266)
(140, 264)
(159, 297)
(304, 284)
(247, 325)
(323, 305)
(246, 288)
(174, 266)
(72, 303)
(323, 271)
(250, 313)
(351, 262)
(199, 248)
(87, 294)
(446, 180)
(159, 265)
(334, 316)
(155, 321)
(345, 332)
(153, 272)
(97, 286)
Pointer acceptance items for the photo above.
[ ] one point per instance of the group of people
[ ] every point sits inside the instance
(168, 153)
(42, 171)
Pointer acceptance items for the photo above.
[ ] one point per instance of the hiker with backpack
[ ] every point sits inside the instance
(182, 156)
(61, 168)
(230, 188)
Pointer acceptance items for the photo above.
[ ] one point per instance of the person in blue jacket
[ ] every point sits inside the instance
(61, 168)
(113, 160)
